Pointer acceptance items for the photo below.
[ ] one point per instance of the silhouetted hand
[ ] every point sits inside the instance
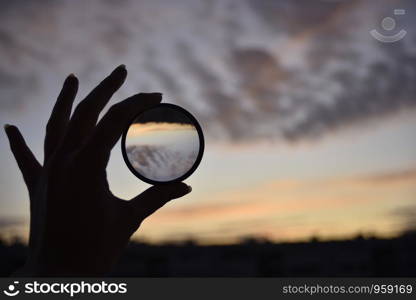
(77, 226)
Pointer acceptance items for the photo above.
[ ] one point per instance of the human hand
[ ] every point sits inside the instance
(77, 226)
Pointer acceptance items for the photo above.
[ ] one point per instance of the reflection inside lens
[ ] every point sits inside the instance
(162, 144)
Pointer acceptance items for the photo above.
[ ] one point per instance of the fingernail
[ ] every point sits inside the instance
(122, 66)
(6, 126)
(189, 189)
(70, 78)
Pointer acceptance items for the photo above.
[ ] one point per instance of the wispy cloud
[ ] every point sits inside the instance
(294, 209)
(6, 222)
(161, 163)
(136, 130)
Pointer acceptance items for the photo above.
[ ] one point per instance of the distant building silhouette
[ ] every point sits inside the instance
(357, 257)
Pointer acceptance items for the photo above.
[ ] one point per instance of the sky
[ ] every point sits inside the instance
(162, 151)
(309, 121)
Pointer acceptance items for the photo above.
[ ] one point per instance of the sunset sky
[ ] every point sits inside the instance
(310, 123)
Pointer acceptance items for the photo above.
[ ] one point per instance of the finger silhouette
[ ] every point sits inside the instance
(25, 159)
(86, 113)
(155, 197)
(58, 121)
(114, 122)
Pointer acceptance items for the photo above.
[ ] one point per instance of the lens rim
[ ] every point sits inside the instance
(198, 158)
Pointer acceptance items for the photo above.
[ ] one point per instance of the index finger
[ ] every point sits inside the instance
(86, 113)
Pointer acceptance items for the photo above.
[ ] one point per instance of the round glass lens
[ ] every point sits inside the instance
(163, 144)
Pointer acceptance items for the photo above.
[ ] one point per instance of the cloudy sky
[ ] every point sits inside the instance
(162, 151)
(309, 121)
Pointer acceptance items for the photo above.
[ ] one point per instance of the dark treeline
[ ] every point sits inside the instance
(356, 257)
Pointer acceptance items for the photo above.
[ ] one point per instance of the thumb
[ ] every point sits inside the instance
(155, 197)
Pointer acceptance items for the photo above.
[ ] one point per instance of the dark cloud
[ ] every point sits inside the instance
(294, 18)
(15, 87)
(6, 222)
(167, 80)
(406, 216)
(259, 75)
(163, 114)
